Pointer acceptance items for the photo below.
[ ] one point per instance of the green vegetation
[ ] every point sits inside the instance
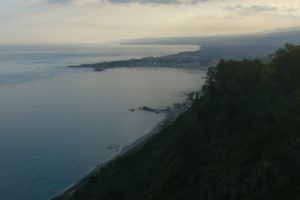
(239, 141)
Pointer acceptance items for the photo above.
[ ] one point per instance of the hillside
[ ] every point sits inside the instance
(240, 140)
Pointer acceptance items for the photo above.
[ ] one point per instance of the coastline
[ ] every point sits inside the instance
(216, 150)
(185, 59)
(170, 115)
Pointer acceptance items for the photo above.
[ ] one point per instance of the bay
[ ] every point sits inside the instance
(56, 123)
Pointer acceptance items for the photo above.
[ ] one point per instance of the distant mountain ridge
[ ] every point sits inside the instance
(277, 37)
(212, 50)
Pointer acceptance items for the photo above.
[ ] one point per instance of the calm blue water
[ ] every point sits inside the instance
(56, 123)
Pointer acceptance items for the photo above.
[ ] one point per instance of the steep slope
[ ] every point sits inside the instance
(240, 140)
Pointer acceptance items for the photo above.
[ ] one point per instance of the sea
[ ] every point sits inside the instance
(58, 123)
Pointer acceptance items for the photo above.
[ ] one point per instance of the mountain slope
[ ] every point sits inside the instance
(240, 140)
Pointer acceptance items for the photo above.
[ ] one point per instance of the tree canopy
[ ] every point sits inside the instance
(239, 141)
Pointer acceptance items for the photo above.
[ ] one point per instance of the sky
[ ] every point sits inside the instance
(101, 21)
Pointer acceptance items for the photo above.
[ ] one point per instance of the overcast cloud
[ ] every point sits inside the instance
(127, 1)
(80, 21)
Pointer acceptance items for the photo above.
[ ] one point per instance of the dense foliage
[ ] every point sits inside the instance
(239, 141)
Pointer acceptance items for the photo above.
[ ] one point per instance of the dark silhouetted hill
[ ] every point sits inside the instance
(239, 141)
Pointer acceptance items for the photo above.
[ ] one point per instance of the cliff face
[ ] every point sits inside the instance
(240, 140)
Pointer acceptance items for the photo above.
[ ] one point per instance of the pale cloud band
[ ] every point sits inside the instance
(89, 21)
(164, 2)
(251, 8)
